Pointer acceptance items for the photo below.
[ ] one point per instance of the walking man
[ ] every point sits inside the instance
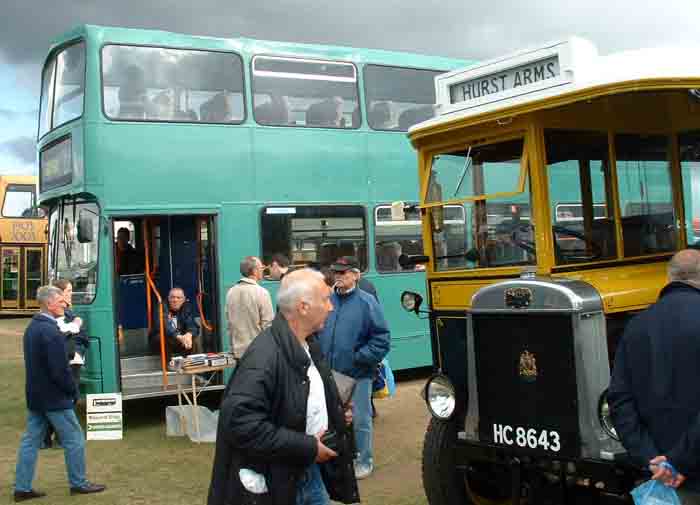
(654, 394)
(248, 306)
(354, 340)
(277, 407)
(51, 394)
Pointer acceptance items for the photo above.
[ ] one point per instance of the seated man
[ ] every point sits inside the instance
(181, 330)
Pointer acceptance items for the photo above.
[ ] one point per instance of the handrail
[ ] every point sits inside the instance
(152, 286)
(200, 295)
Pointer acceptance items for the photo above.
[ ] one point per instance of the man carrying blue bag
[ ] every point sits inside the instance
(654, 394)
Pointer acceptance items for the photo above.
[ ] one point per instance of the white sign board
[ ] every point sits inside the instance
(104, 416)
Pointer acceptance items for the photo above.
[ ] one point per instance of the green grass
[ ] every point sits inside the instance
(146, 467)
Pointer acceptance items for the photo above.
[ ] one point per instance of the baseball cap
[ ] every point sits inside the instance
(345, 263)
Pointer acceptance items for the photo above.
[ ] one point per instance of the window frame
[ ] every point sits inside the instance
(35, 198)
(307, 59)
(53, 58)
(361, 206)
(175, 121)
(364, 87)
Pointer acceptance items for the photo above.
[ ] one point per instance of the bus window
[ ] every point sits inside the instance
(159, 84)
(71, 259)
(393, 238)
(689, 144)
(296, 92)
(494, 231)
(62, 88)
(20, 201)
(314, 236)
(646, 198)
(397, 98)
(577, 172)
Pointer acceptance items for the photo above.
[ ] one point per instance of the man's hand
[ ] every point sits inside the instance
(323, 453)
(664, 473)
(348, 413)
(78, 321)
(185, 340)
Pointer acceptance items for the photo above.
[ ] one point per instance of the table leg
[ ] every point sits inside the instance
(183, 421)
(195, 414)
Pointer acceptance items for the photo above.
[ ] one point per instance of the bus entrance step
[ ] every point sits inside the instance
(138, 364)
(152, 378)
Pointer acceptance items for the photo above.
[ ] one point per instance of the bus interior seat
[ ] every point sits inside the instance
(274, 112)
(380, 116)
(132, 94)
(217, 109)
(387, 257)
(648, 233)
(356, 117)
(415, 115)
(322, 113)
(328, 253)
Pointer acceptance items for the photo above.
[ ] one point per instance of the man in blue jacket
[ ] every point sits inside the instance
(354, 340)
(51, 394)
(654, 394)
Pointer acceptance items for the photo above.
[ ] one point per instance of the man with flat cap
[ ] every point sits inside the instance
(354, 340)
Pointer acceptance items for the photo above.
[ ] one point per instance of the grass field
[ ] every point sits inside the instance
(146, 467)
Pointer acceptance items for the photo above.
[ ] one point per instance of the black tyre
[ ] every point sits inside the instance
(444, 484)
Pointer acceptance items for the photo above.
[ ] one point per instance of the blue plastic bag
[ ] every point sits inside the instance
(653, 492)
(383, 385)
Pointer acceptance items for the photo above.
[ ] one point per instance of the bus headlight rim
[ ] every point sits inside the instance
(439, 395)
(604, 417)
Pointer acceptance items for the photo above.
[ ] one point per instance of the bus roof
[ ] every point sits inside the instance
(108, 34)
(554, 74)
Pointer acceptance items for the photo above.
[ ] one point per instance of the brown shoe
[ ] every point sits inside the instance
(28, 495)
(88, 488)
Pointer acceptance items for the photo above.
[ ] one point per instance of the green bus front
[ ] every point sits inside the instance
(208, 150)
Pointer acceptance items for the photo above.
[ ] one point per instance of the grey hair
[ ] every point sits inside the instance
(46, 293)
(295, 287)
(685, 266)
(248, 265)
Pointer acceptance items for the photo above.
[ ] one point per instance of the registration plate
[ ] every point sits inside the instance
(527, 438)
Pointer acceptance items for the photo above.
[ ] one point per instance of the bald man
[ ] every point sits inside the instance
(654, 394)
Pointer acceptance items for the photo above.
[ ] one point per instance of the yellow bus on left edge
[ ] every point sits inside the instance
(23, 244)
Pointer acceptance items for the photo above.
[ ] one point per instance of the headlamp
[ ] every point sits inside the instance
(440, 397)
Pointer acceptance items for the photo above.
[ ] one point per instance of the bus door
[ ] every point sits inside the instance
(11, 277)
(22, 273)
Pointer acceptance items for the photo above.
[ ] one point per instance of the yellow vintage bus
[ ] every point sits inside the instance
(556, 184)
(23, 249)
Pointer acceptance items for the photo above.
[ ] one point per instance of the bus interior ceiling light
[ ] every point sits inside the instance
(411, 301)
(440, 397)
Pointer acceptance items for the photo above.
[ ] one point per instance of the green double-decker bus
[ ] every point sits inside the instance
(207, 150)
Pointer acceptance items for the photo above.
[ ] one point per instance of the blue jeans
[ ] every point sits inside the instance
(68, 428)
(311, 490)
(362, 420)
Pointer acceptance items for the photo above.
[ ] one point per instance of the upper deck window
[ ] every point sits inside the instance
(580, 196)
(300, 92)
(397, 98)
(646, 196)
(496, 229)
(162, 84)
(62, 88)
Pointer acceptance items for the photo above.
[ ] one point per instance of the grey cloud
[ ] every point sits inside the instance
(22, 148)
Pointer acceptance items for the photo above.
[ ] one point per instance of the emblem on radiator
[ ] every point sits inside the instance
(528, 366)
(518, 298)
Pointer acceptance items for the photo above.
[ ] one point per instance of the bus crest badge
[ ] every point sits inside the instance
(528, 366)
(518, 298)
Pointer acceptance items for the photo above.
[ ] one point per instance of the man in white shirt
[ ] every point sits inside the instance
(248, 306)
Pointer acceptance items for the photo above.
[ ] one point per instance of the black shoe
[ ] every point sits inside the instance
(28, 495)
(88, 488)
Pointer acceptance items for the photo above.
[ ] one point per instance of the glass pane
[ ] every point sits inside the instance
(33, 273)
(70, 84)
(293, 92)
(393, 238)
(20, 201)
(10, 274)
(689, 144)
(46, 97)
(579, 188)
(646, 197)
(397, 98)
(314, 236)
(77, 261)
(158, 84)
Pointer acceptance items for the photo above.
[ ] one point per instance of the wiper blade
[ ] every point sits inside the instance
(467, 164)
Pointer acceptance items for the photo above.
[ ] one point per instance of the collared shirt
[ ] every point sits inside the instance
(46, 314)
(316, 409)
(248, 312)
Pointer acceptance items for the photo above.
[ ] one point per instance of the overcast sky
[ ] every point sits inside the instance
(458, 28)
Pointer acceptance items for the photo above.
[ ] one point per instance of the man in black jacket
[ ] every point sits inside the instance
(181, 330)
(51, 393)
(277, 407)
(655, 389)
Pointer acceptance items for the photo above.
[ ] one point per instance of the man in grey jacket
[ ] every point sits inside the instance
(248, 306)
